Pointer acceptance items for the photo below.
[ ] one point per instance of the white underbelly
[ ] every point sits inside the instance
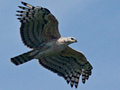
(50, 51)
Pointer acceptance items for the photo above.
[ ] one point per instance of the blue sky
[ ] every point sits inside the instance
(94, 23)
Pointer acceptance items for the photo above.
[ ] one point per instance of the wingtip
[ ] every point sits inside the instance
(76, 86)
(20, 6)
(19, 18)
(68, 82)
(19, 15)
(83, 81)
(19, 11)
(71, 85)
(24, 3)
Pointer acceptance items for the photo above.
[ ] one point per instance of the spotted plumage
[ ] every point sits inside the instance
(39, 31)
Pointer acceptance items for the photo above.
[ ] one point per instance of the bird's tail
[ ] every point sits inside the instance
(22, 58)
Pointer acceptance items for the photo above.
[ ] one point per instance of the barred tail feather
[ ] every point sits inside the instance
(21, 58)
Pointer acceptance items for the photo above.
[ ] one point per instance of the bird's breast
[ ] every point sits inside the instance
(51, 49)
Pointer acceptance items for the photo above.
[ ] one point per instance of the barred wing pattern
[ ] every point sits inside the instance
(38, 25)
(69, 64)
(38, 28)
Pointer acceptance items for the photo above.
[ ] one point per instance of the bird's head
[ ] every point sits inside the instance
(70, 40)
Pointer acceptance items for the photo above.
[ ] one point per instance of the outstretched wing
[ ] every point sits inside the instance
(69, 64)
(38, 25)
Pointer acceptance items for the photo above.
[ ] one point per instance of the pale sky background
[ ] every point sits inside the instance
(94, 23)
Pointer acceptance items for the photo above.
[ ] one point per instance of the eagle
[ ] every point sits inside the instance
(39, 31)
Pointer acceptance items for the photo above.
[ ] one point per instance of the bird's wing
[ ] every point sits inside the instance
(38, 25)
(69, 64)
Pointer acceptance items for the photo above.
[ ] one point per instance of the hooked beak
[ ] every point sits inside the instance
(75, 40)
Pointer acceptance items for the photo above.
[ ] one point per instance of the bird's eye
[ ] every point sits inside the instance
(72, 38)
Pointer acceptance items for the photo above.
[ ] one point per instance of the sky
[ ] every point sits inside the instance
(94, 23)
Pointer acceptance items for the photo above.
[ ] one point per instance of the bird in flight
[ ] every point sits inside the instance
(39, 31)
